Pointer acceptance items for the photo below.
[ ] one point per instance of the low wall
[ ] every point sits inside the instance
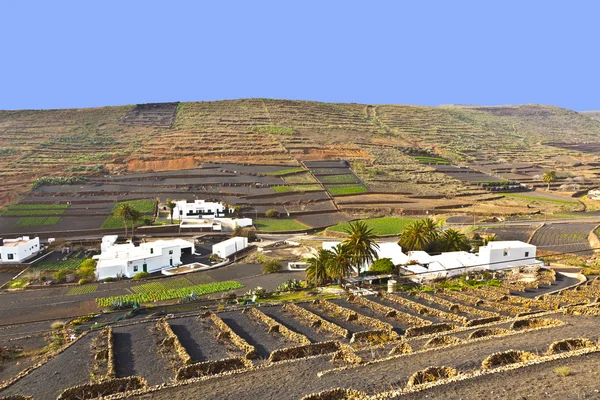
(428, 329)
(105, 388)
(275, 326)
(212, 368)
(317, 321)
(226, 331)
(291, 353)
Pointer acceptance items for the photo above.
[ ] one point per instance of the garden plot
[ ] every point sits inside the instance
(336, 318)
(399, 327)
(323, 220)
(411, 310)
(255, 332)
(564, 238)
(137, 354)
(152, 114)
(70, 368)
(522, 233)
(295, 322)
(199, 337)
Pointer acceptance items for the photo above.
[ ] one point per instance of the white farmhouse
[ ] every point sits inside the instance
(199, 209)
(594, 194)
(19, 249)
(230, 246)
(126, 260)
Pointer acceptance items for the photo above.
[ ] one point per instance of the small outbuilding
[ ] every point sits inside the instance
(230, 246)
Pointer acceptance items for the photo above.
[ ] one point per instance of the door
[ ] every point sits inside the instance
(145, 267)
(171, 262)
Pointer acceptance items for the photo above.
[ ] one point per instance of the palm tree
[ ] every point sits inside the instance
(431, 229)
(171, 206)
(134, 217)
(123, 212)
(316, 271)
(489, 238)
(339, 264)
(361, 244)
(419, 235)
(549, 177)
(453, 240)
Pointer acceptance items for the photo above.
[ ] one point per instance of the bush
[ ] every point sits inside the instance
(213, 258)
(259, 292)
(382, 266)
(109, 279)
(57, 325)
(562, 371)
(87, 270)
(271, 267)
(60, 276)
(272, 213)
(292, 284)
(141, 275)
(83, 281)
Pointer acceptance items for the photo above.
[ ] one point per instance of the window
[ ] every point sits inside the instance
(135, 268)
(170, 251)
(526, 254)
(505, 252)
(151, 250)
(11, 256)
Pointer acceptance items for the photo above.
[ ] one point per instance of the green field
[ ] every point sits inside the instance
(303, 188)
(272, 225)
(69, 264)
(165, 284)
(346, 189)
(161, 295)
(143, 206)
(300, 178)
(22, 212)
(380, 226)
(284, 172)
(431, 160)
(37, 206)
(83, 289)
(347, 178)
(37, 221)
(534, 198)
(276, 130)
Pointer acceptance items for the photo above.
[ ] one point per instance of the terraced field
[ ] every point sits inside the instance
(371, 344)
(564, 238)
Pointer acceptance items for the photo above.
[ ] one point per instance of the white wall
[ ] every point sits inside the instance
(21, 252)
(500, 255)
(230, 246)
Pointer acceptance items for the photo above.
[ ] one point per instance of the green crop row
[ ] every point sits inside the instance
(36, 206)
(348, 178)
(37, 221)
(346, 189)
(284, 172)
(161, 295)
(23, 212)
(143, 206)
(71, 264)
(165, 284)
(83, 289)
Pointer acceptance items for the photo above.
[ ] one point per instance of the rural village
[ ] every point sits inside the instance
(295, 250)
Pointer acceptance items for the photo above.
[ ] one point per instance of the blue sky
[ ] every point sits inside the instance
(94, 53)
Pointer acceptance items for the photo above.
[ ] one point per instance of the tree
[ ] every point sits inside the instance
(382, 266)
(123, 212)
(549, 177)
(453, 240)
(272, 213)
(134, 217)
(339, 264)
(316, 271)
(87, 269)
(361, 244)
(418, 235)
(171, 206)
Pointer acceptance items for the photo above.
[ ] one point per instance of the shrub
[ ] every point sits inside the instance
(271, 267)
(272, 213)
(141, 275)
(109, 279)
(83, 281)
(562, 371)
(382, 266)
(213, 258)
(87, 270)
(57, 325)
(60, 276)
(292, 284)
(259, 292)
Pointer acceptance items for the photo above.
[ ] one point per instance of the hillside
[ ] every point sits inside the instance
(377, 139)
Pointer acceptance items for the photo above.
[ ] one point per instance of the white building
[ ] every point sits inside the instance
(594, 194)
(199, 209)
(126, 260)
(230, 246)
(421, 266)
(19, 249)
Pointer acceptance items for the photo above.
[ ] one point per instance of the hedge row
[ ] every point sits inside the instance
(104, 388)
(421, 309)
(172, 340)
(317, 321)
(308, 350)
(275, 326)
(389, 312)
(212, 368)
(352, 315)
(227, 332)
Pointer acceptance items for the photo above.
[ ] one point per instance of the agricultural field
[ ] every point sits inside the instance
(380, 226)
(564, 238)
(276, 225)
(373, 344)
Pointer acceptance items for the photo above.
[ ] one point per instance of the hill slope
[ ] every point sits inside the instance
(174, 136)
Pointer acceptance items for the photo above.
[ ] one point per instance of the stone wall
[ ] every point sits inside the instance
(104, 388)
(291, 353)
(227, 332)
(212, 368)
(317, 321)
(275, 326)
